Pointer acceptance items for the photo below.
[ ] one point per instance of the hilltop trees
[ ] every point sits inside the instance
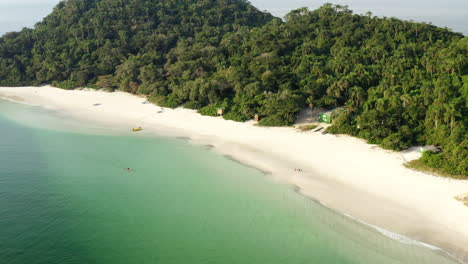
(83, 39)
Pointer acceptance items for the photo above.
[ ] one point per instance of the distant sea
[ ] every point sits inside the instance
(16, 14)
(67, 197)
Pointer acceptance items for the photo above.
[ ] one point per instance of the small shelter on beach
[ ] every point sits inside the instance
(220, 111)
(256, 118)
(430, 148)
(325, 117)
(317, 114)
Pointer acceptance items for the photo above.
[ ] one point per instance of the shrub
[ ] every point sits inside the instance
(106, 82)
(67, 85)
(145, 89)
(170, 101)
(274, 120)
(235, 117)
(210, 110)
(433, 160)
(395, 142)
(193, 105)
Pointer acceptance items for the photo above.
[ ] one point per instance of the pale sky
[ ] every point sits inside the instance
(16, 14)
(447, 13)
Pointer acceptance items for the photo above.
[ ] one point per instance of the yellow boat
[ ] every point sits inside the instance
(137, 129)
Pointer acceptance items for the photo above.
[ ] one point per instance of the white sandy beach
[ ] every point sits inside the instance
(344, 173)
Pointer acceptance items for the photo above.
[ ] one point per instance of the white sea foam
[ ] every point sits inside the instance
(404, 239)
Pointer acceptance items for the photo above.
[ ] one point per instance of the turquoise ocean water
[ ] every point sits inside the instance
(66, 197)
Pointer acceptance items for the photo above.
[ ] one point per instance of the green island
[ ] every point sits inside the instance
(396, 83)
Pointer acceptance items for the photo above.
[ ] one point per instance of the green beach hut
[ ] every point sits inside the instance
(325, 118)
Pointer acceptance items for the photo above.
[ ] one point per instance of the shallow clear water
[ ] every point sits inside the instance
(67, 198)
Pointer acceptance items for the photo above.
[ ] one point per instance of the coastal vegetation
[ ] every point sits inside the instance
(421, 165)
(398, 83)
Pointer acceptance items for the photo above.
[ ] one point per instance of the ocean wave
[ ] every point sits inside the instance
(404, 239)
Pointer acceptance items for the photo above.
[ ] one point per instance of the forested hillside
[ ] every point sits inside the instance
(399, 83)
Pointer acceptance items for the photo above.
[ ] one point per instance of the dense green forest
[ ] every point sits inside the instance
(398, 83)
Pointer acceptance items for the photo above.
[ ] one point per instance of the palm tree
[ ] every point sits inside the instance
(450, 115)
(357, 95)
(406, 100)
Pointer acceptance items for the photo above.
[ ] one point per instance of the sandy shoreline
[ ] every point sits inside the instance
(344, 173)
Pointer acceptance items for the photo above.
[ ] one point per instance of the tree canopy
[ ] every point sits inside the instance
(398, 83)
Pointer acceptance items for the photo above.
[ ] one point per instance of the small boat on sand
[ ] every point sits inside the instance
(137, 129)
